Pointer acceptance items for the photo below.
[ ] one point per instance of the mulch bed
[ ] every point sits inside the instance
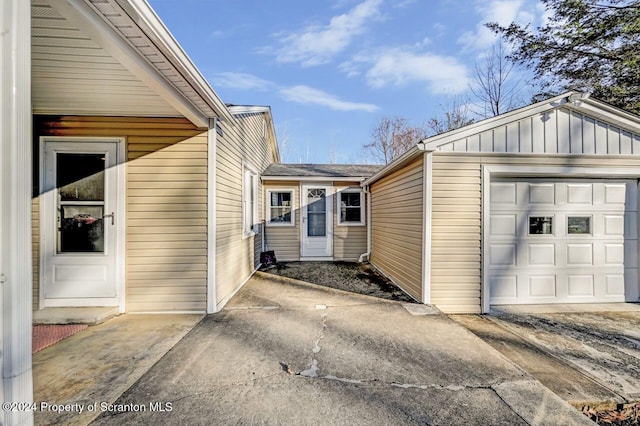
(622, 415)
(44, 336)
(355, 277)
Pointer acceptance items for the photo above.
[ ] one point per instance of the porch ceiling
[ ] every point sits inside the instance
(102, 58)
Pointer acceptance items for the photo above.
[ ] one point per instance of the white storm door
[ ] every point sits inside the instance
(317, 221)
(78, 219)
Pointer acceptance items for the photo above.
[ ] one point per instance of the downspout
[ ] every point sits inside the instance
(367, 196)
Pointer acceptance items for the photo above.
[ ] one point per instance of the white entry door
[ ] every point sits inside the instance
(562, 241)
(317, 221)
(79, 224)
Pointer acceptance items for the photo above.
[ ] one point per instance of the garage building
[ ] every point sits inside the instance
(539, 205)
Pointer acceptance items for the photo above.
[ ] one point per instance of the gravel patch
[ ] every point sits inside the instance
(355, 277)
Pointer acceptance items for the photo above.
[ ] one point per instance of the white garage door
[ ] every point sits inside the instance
(557, 241)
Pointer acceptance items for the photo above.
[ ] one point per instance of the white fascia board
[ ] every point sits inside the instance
(158, 32)
(85, 18)
(248, 109)
(314, 178)
(397, 163)
(607, 113)
(434, 142)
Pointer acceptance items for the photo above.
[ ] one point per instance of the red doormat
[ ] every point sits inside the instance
(46, 335)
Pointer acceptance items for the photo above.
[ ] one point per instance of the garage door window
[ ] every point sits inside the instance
(578, 225)
(540, 225)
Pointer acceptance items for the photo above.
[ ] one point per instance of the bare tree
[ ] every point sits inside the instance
(455, 115)
(392, 137)
(494, 86)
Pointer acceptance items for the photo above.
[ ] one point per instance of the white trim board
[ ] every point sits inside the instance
(212, 169)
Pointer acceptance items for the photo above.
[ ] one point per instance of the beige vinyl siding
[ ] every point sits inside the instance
(166, 206)
(455, 235)
(349, 241)
(285, 240)
(241, 144)
(456, 230)
(397, 226)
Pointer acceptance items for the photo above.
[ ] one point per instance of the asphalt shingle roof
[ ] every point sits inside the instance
(322, 170)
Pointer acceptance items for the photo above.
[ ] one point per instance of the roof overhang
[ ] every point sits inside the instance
(314, 178)
(114, 57)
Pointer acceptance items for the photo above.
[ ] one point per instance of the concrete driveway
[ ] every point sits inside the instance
(286, 352)
(587, 354)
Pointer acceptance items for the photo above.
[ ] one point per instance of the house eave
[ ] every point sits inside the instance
(408, 156)
(314, 178)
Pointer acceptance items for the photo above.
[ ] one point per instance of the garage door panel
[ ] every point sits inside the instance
(579, 254)
(542, 254)
(614, 254)
(614, 225)
(562, 241)
(504, 225)
(504, 193)
(502, 254)
(541, 193)
(579, 194)
(504, 287)
(615, 193)
(581, 285)
(614, 285)
(542, 286)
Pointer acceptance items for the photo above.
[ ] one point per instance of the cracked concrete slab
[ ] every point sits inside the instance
(602, 345)
(98, 364)
(371, 362)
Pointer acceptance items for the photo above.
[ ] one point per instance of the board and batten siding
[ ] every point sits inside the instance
(245, 143)
(397, 224)
(166, 206)
(349, 241)
(282, 239)
(558, 131)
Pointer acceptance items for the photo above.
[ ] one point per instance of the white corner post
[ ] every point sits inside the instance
(15, 208)
(212, 168)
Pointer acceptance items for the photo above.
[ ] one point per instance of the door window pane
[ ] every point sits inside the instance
(81, 229)
(316, 212)
(80, 177)
(80, 183)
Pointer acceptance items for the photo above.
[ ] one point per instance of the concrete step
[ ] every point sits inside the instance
(91, 315)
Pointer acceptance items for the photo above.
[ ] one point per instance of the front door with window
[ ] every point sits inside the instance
(317, 221)
(79, 224)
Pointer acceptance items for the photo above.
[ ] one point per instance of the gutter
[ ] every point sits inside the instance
(158, 32)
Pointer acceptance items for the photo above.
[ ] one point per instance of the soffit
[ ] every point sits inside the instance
(91, 58)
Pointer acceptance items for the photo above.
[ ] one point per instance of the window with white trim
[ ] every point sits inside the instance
(351, 207)
(280, 207)
(249, 201)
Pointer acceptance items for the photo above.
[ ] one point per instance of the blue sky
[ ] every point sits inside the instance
(330, 69)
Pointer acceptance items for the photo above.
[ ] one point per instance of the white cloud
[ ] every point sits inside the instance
(504, 12)
(307, 95)
(401, 66)
(318, 44)
(240, 81)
